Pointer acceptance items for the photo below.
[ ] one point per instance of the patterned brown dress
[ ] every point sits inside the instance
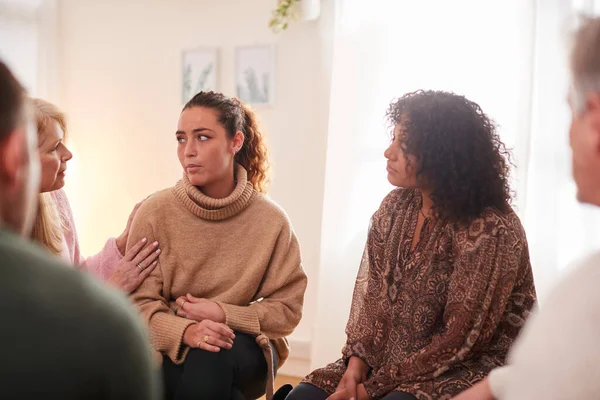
(434, 320)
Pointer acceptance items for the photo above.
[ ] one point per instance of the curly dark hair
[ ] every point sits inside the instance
(460, 156)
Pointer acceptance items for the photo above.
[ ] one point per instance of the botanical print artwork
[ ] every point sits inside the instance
(255, 70)
(199, 72)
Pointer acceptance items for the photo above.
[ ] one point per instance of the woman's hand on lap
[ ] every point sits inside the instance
(209, 335)
(349, 386)
(199, 309)
(361, 394)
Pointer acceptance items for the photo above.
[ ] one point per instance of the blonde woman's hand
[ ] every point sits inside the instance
(122, 239)
(209, 335)
(138, 263)
(198, 309)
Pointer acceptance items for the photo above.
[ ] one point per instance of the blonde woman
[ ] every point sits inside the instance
(54, 227)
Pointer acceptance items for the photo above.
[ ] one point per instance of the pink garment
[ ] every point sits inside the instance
(102, 264)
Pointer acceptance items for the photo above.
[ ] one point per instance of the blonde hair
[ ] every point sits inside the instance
(46, 113)
(48, 230)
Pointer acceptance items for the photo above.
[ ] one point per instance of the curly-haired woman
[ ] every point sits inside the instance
(445, 282)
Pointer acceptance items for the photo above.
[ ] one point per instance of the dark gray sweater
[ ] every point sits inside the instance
(64, 336)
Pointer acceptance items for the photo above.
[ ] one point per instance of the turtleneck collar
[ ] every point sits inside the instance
(211, 209)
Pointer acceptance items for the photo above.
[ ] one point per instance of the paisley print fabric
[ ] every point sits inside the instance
(435, 319)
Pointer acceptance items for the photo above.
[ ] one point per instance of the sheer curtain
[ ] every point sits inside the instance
(28, 44)
(510, 57)
(559, 229)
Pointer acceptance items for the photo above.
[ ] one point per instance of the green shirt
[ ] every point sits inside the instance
(64, 336)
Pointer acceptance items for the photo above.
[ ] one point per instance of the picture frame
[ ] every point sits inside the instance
(199, 69)
(255, 74)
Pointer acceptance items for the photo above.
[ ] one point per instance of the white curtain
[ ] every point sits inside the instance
(510, 57)
(559, 229)
(28, 44)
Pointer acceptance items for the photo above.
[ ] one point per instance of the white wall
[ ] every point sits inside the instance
(120, 85)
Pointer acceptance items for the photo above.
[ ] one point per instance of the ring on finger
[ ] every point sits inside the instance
(206, 337)
(182, 303)
(139, 265)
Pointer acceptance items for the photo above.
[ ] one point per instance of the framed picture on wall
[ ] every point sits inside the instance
(199, 71)
(255, 74)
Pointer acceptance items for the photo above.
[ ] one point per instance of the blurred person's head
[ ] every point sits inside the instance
(444, 145)
(584, 100)
(214, 133)
(54, 155)
(19, 164)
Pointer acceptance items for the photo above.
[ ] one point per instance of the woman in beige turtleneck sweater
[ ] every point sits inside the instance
(229, 285)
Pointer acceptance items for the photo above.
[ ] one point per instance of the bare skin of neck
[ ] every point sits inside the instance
(427, 205)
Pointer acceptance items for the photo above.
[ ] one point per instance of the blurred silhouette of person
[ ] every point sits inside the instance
(557, 356)
(64, 336)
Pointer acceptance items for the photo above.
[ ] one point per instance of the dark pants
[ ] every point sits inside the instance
(236, 374)
(306, 391)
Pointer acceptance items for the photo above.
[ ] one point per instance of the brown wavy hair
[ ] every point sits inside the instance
(236, 116)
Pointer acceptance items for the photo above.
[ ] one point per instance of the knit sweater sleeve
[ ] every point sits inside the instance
(105, 262)
(166, 329)
(281, 295)
(480, 287)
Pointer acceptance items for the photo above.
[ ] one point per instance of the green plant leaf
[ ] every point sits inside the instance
(282, 15)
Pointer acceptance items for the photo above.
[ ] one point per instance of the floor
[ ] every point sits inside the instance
(282, 380)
